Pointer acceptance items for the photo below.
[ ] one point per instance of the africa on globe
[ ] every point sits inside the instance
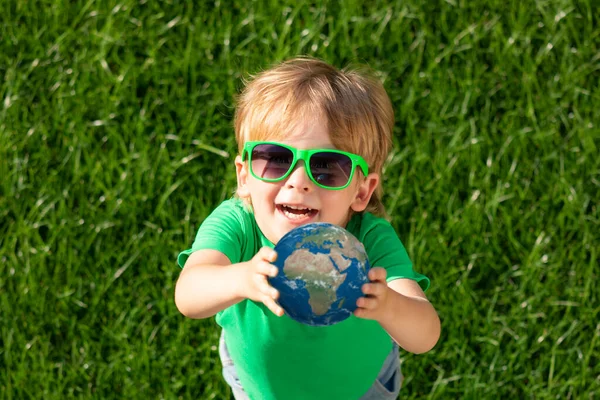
(322, 268)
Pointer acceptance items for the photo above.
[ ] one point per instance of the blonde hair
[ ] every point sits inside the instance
(354, 103)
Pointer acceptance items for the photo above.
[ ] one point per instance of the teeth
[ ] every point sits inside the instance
(295, 212)
(291, 215)
(298, 208)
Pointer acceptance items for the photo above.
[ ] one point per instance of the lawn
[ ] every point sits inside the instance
(116, 141)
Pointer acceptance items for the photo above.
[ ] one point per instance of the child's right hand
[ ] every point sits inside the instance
(255, 285)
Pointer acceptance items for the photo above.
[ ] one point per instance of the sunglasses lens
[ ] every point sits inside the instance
(270, 161)
(331, 169)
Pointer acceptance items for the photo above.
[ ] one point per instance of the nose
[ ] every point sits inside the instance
(298, 179)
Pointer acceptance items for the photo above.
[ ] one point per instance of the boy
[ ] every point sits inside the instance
(307, 104)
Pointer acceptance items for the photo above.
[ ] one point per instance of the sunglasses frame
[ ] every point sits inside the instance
(305, 155)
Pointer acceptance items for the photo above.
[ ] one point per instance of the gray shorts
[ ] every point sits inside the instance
(386, 386)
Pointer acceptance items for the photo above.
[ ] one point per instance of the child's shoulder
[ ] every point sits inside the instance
(368, 221)
(234, 205)
(366, 224)
(235, 211)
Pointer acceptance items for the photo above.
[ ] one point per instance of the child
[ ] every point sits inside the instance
(307, 104)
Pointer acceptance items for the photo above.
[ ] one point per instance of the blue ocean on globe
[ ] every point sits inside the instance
(322, 268)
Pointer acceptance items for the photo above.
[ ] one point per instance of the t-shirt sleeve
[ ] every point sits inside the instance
(222, 230)
(387, 251)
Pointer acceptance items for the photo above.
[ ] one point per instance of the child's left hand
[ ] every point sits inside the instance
(373, 304)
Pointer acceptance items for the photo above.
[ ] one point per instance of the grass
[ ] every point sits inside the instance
(116, 141)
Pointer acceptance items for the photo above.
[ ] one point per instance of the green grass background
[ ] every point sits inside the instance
(116, 141)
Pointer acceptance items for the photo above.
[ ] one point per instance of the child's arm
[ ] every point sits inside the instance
(402, 309)
(209, 283)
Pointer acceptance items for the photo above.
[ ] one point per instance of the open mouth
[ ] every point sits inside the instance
(296, 212)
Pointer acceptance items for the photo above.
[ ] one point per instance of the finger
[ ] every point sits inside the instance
(268, 290)
(273, 306)
(267, 269)
(367, 303)
(361, 313)
(377, 274)
(267, 254)
(373, 289)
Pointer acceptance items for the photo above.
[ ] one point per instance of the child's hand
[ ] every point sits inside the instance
(373, 305)
(255, 285)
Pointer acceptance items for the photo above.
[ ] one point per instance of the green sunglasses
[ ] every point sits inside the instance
(327, 168)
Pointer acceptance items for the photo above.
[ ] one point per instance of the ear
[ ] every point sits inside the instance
(241, 170)
(364, 192)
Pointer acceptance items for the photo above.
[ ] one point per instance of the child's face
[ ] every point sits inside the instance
(296, 200)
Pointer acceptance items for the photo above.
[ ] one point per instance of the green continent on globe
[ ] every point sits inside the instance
(320, 275)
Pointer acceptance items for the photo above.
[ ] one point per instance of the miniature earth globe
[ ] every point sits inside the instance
(322, 268)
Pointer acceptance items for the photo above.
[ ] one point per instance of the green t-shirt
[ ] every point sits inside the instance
(279, 358)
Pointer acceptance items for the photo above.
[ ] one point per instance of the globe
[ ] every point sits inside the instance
(322, 268)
